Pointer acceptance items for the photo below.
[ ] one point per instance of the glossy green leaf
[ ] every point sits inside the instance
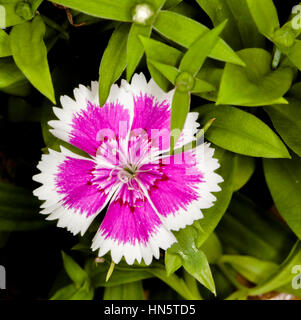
(256, 84)
(265, 16)
(135, 48)
(194, 260)
(113, 61)
(283, 178)
(12, 80)
(186, 31)
(74, 270)
(130, 291)
(241, 30)
(5, 50)
(120, 10)
(179, 111)
(213, 215)
(30, 55)
(287, 121)
(245, 166)
(241, 132)
(172, 262)
(195, 56)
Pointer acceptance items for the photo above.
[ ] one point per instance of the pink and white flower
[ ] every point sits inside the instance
(128, 168)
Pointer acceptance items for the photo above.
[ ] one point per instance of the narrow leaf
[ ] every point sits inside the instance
(119, 10)
(169, 72)
(195, 57)
(30, 54)
(5, 50)
(265, 16)
(135, 48)
(74, 271)
(130, 291)
(283, 178)
(179, 111)
(113, 61)
(241, 132)
(186, 31)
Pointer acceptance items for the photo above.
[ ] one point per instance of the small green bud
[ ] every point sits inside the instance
(185, 82)
(142, 13)
(285, 36)
(24, 10)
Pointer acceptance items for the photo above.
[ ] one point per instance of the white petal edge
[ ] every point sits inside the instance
(161, 238)
(73, 220)
(62, 127)
(207, 165)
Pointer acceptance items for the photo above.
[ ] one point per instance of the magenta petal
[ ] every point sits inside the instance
(132, 229)
(75, 182)
(94, 125)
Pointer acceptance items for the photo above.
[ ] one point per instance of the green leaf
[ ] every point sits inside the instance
(5, 50)
(97, 273)
(241, 132)
(294, 54)
(113, 61)
(244, 168)
(186, 31)
(265, 16)
(130, 291)
(287, 121)
(120, 10)
(169, 72)
(253, 269)
(30, 55)
(213, 215)
(11, 16)
(194, 260)
(161, 53)
(19, 209)
(259, 234)
(179, 111)
(256, 84)
(282, 276)
(135, 48)
(74, 271)
(285, 175)
(241, 30)
(195, 57)
(72, 292)
(12, 80)
(172, 262)
(171, 3)
(212, 248)
(175, 283)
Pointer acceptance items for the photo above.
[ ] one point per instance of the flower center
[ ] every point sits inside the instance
(126, 174)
